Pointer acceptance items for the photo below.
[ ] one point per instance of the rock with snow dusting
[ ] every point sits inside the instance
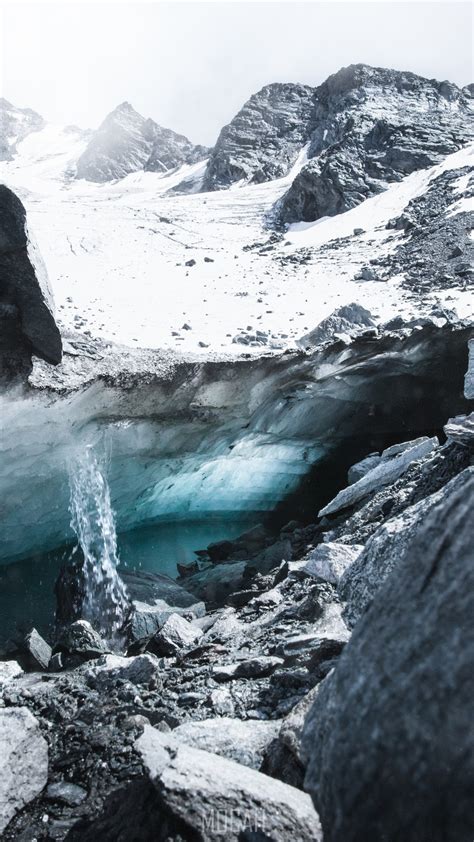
(389, 737)
(264, 139)
(24, 765)
(141, 669)
(242, 741)
(349, 319)
(15, 125)
(372, 126)
(217, 798)
(386, 472)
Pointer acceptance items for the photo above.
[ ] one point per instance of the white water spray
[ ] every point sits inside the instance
(104, 601)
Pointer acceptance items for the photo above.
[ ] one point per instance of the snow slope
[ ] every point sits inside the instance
(117, 252)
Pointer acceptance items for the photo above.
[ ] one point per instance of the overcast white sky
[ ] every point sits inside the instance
(191, 66)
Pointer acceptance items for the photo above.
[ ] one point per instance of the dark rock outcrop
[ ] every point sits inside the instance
(127, 142)
(389, 738)
(373, 126)
(264, 139)
(27, 324)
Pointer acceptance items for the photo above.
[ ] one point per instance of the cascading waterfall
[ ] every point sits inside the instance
(104, 601)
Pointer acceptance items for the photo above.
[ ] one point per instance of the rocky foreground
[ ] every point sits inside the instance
(319, 684)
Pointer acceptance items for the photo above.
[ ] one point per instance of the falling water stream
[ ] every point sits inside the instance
(104, 597)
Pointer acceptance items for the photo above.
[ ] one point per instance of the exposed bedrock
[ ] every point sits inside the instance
(190, 439)
(27, 325)
(389, 738)
(264, 138)
(355, 150)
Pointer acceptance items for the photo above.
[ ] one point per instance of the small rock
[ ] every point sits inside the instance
(66, 793)
(38, 652)
(177, 633)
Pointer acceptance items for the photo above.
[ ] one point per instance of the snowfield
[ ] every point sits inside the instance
(117, 253)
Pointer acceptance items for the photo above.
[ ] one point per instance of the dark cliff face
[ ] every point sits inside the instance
(27, 324)
(264, 139)
(126, 142)
(374, 126)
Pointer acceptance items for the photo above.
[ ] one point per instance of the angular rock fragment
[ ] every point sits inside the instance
(219, 799)
(257, 667)
(386, 472)
(24, 764)
(37, 651)
(327, 561)
(242, 741)
(176, 634)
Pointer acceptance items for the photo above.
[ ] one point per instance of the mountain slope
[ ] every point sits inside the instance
(126, 142)
(374, 126)
(363, 128)
(15, 125)
(264, 139)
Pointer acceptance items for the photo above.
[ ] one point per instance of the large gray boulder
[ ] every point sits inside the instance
(24, 762)
(27, 324)
(218, 799)
(385, 550)
(389, 739)
(349, 319)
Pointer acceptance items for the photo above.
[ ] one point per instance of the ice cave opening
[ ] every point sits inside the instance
(206, 459)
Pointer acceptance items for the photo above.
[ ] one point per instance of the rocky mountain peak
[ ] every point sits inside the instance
(15, 125)
(381, 107)
(371, 126)
(364, 76)
(264, 138)
(127, 142)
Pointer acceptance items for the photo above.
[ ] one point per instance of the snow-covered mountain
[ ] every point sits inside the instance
(147, 251)
(15, 124)
(364, 127)
(127, 142)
